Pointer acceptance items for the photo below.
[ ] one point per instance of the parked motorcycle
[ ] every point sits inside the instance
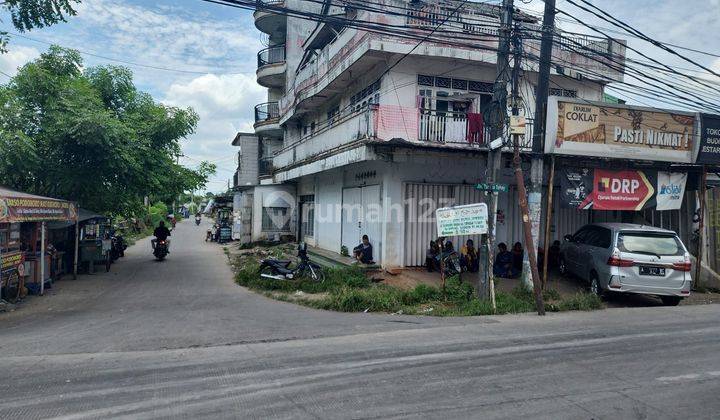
(451, 264)
(118, 246)
(280, 269)
(161, 249)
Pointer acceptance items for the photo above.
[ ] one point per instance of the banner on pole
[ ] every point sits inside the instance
(471, 219)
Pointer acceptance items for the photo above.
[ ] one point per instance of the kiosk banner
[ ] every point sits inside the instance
(601, 189)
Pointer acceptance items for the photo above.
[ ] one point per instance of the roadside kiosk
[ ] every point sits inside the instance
(23, 238)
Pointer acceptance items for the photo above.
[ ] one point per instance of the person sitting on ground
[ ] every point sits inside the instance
(469, 260)
(431, 257)
(161, 233)
(554, 255)
(363, 252)
(517, 260)
(502, 266)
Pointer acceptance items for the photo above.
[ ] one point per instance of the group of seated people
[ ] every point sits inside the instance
(468, 257)
(507, 264)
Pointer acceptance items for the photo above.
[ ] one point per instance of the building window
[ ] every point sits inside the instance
(482, 87)
(275, 219)
(426, 80)
(443, 82)
(369, 95)
(332, 114)
(459, 84)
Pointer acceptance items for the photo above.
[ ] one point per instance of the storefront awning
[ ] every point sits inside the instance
(83, 216)
(16, 206)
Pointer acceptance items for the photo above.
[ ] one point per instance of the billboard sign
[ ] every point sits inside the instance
(471, 219)
(634, 190)
(709, 151)
(583, 128)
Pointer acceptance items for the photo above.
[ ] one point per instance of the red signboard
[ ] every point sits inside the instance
(619, 190)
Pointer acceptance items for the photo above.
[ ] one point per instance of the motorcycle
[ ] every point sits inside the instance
(208, 236)
(161, 249)
(451, 264)
(280, 269)
(197, 221)
(118, 247)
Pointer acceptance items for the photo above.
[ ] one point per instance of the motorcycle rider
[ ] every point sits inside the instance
(161, 233)
(197, 218)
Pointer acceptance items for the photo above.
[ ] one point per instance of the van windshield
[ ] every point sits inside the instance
(652, 244)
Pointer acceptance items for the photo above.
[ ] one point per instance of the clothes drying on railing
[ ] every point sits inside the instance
(476, 127)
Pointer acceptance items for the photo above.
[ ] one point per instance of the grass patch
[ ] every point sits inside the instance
(349, 290)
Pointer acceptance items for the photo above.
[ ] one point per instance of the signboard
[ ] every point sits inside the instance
(709, 151)
(471, 219)
(584, 128)
(19, 209)
(11, 260)
(601, 189)
(489, 187)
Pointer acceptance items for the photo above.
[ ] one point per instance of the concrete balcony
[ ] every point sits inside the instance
(267, 120)
(271, 67)
(269, 19)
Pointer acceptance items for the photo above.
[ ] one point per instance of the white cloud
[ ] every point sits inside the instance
(225, 105)
(16, 57)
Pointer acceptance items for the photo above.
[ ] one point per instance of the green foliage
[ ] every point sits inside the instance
(30, 14)
(581, 302)
(158, 212)
(91, 137)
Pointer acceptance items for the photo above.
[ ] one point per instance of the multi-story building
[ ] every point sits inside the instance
(371, 131)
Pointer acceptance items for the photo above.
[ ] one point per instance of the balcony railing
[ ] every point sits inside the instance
(460, 128)
(267, 112)
(270, 2)
(272, 55)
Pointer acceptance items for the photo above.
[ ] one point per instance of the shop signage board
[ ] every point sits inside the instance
(20, 207)
(709, 150)
(11, 260)
(598, 129)
(471, 219)
(634, 190)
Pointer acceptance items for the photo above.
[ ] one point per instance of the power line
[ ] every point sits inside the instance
(129, 63)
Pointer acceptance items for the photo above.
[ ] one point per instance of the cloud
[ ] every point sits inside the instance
(17, 57)
(225, 105)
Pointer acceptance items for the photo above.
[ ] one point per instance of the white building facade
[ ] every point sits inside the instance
(369, 133)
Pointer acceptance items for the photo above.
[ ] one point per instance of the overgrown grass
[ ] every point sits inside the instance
(349, 290)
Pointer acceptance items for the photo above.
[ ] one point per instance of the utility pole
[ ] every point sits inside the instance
(498, 117)
(538, 141)
(520, 180)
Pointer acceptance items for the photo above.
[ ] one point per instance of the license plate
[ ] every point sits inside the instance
(652, 271)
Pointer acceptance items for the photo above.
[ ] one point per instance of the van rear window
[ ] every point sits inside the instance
(654, 244)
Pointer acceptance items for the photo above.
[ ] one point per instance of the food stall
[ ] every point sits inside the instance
(24, 256)
(92, 244)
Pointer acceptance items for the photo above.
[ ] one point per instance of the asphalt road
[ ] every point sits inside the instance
(179, 339)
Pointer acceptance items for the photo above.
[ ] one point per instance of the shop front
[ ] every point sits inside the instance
(26, 256)
(619, 163)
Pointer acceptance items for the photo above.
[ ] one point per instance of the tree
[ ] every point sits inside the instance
(90, 136)
(30, 14)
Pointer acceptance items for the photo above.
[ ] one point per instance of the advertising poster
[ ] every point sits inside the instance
(621, 131)
(633, 190)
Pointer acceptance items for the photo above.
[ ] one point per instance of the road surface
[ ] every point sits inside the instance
(179, 339)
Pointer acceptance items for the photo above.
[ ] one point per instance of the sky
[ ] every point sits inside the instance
(198, 54)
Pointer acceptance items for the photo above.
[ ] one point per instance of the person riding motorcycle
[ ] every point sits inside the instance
(161, 233)
(197, 219)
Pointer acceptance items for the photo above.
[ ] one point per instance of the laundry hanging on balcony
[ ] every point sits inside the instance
(476, 127)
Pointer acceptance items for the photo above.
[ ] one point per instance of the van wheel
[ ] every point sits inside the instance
(595, 288)
(670, 300)
(562, 267)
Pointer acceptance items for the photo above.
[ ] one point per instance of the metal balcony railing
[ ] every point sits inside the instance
(269, 2)
(271, 55)
(267, 112)
(457, 127)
